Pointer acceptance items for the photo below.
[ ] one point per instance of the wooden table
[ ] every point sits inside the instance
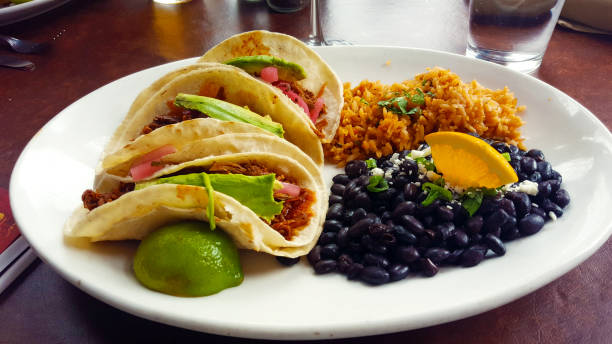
(95, 42)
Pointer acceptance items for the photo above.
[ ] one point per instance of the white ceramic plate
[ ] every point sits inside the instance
(13, 14)
(292, 303)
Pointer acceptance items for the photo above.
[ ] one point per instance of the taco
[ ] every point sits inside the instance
(265, 201)
(151, 155)
(218, 91)
(291, 66)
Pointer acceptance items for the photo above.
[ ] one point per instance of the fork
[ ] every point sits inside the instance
(23, 46)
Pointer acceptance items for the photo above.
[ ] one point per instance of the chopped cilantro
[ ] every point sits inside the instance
(424, 82)
(377, 184)
(364, 101)
(418, 98)
(414, 110)
(434, 192)
(427, 163)
(506, 156)
(370, 163)
(433, 95)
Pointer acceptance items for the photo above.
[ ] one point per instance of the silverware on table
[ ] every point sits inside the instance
(24, 47)
(15, 62)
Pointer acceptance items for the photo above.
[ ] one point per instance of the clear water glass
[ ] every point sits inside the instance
(514, 33)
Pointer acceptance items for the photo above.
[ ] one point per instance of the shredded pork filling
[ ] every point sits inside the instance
(296, 212)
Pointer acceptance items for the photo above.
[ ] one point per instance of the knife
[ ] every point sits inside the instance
(15, 62)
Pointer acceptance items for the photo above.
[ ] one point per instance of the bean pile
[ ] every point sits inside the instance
(381, 237)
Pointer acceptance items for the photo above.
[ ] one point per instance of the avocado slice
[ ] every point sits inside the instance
(287, 71)
(225, 111)
(254, 192)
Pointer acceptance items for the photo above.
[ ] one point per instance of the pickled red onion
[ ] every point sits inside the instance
(316, 109)
(143, 167)
(269, 74)
(289, 189)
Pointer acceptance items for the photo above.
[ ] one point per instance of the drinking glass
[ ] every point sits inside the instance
(514, 33)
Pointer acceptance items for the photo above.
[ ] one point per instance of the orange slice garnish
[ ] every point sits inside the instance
(467, 161)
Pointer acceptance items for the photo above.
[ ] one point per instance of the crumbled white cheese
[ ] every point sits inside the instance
(395, 160)
(535, 205)
(430, 175)
(422, 169)
(526, 186)
(552, 215)
(377, 171)
(389, 174)
(449, 207)
(417, 183)
(420, 153)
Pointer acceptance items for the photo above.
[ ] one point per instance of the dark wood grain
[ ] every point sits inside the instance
(95, 42)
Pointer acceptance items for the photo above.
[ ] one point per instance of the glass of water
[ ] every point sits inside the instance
(514, 33)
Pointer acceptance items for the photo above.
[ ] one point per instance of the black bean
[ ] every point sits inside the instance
(521, 202)
(412, 224)
(341, 179)
(400, 180)
(367, 242)
(510, 234)
(376, 230)
(535, 177)
(545, 169)
(357, 215)
(445, 230)
(411, 191)
(496, 220)
(437, 255)
(374, 275)
(460, 214)
(548, 206)
(335, 199)
(325, 266)
(501, 147)
(557, 176)
(288, 261)
(494, 244)
(489, 205)
(399, 198)
(508, 206)
(398, 272)
(330, 251)
(472, 256)
(411, 168)
(561, 198)
(536, 154)
(342, 238)
(354, 271)
(385, 216)
(428, 221)
(362, 200)
(351, 190)
(528, 165)
(374, 217)
(404, 208)
(363, 180)
(460, 238)
(407, 254)
(428, 267)
(454, 257)
(327, 238)
(445, 213)
(531, 224)
(335, 211)
(360, 227)
(370, 259)
(354, 247)
(475, 238)
(538, 211)
(356, 168)
(338, 189)
(314, 256)
(344, 263)
(332, 225)
(555, 184)
(544, 191)
(403, 235)
(474, 224)
(385, 196)
(513, 149)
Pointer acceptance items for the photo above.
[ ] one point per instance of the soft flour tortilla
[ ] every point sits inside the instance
(137, 213)
(282, 46)
(194, 139)
(238, 87)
